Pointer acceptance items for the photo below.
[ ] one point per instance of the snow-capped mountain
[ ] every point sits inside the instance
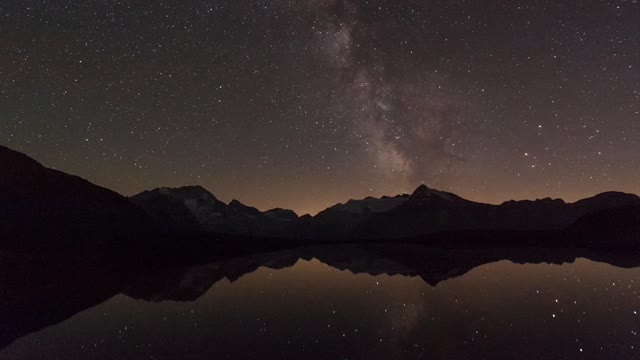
(195, 208)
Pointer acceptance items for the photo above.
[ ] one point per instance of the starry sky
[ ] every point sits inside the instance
(306, 103)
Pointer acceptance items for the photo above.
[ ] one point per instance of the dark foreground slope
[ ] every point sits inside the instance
(45, 206)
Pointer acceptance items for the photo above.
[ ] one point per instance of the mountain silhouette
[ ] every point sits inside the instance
(179, 252)
(430, 211)
(195, 208)
(45, 206)
(185, 208)
(426, 211)
(282, 214)
(70, 211)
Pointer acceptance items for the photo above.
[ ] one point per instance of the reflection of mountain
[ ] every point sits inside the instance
(187, 283)
(36, 292)
(433, 265)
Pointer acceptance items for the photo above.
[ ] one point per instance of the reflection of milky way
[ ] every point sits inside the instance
(583, 309)
(303, 104)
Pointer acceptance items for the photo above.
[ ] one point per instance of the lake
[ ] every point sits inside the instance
(351, 302)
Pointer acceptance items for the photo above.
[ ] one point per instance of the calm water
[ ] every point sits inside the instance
(501, 309)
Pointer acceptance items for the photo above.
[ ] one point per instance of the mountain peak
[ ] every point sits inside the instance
(615, 195)
(423, 192)
(282, 214)
(242, 208)
(189, 191)
(609, 199)
(17, 164)
(422, 189)
(236, 203)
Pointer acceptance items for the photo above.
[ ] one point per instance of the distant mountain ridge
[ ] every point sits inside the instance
(430, 211)
(49, 204)
(425, 211)
(195, 208)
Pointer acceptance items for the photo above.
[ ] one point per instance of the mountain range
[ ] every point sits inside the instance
(39, 202)
(425, 211)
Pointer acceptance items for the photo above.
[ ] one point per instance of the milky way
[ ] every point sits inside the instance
(302, 104)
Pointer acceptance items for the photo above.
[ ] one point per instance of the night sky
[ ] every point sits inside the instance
(303, 104)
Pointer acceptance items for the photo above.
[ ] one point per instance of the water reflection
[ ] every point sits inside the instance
(326, 303)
